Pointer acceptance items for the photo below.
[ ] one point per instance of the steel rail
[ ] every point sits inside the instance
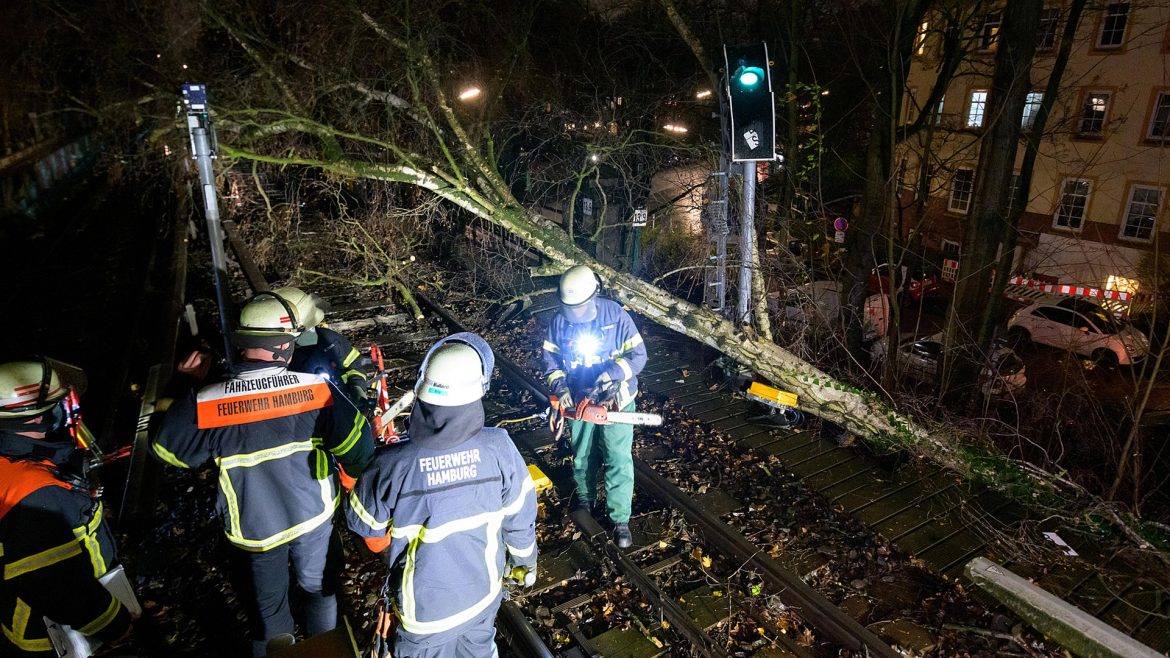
(671, 610)
(818, 611)
(522, 637)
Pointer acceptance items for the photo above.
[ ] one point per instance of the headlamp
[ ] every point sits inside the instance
(586, 345)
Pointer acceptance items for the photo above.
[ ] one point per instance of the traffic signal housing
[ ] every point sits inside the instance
(751, 101)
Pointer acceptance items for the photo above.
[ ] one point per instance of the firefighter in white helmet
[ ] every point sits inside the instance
(323, 351)
(594, 348)
(53, 533)
(277, 437)
(453, 510)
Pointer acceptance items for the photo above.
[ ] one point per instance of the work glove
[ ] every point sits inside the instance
(561, 390)
(361, 397)
(605, 388)
(525, 576)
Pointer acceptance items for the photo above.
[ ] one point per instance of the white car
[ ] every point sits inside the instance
(921, 359)
(1080, 326)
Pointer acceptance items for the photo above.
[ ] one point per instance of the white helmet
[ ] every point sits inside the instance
(309, 307)
(267, 320)
(31, 388)
(456, 371)
(577, 290)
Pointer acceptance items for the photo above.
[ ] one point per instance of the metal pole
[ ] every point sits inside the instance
(747, 243)
(199, 124)
(214, 231)
(721, 237)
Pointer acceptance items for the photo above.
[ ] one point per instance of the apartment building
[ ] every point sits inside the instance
(1097, 208)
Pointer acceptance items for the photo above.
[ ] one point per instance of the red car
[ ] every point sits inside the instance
(923, 284)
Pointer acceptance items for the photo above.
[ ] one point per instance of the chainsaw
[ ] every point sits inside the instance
(594, 408)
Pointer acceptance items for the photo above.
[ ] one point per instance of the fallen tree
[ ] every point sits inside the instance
(439, 154)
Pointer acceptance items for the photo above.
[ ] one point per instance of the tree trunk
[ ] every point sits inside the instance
(1010, 84)
(1010, 233)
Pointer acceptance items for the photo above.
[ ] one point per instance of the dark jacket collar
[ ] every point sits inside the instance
(441, 428)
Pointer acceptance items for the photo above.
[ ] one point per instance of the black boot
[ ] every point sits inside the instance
(622, 536)
(582, 505)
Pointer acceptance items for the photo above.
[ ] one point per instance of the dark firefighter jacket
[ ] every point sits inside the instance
(334, 355)
(271, 432)
(569, 351)
(458, 504)
(54, 545)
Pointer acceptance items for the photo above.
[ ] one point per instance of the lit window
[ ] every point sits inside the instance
(920, 38)
(1160, 123)
(1093, 114)
(1031, 109)
(961, 188)
(977, 109)
(990, 32)
(1046, 34)
(1074, 199)
(1113, 25)
(938, 110)
(1122, 284)
(1141, 212)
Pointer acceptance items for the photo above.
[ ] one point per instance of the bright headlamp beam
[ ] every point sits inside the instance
(587, 345)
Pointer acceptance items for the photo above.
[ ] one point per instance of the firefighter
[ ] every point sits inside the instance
(277, 437)
(453, 510)
(54, 538)
(323, 351)
(594, 349)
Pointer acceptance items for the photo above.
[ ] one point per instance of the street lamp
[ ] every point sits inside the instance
(470, 93)
(675, 128)
(706, 93)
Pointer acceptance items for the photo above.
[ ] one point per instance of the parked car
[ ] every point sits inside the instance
(921, 359)
(1080, 326)
(923, 284)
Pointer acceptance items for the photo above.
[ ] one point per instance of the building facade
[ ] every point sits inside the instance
(1097, 208)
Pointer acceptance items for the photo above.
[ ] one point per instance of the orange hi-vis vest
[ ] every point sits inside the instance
(260, 395)
(19, 478)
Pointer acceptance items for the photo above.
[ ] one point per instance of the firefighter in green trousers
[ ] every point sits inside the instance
(592, 348)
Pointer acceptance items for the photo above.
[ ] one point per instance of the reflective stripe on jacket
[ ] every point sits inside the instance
(271, 432)
(619, 351)
(455, 516)
(54, 545)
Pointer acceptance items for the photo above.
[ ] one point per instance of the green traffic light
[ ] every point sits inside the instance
(749, 76)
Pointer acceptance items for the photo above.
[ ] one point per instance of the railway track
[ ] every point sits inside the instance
(690, 599)
(674, 618)
(693, 584)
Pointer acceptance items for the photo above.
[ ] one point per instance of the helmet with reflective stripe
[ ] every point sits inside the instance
(30, 388)
(456, 371)
(309, 307)
(577, 289)
(267, 320)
